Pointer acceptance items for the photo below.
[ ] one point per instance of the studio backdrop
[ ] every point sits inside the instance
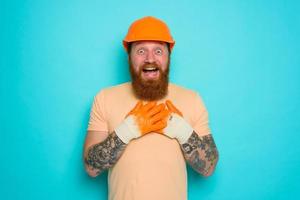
(242, 57)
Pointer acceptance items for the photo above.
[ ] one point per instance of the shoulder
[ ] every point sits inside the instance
(189, 96)
(182, 91)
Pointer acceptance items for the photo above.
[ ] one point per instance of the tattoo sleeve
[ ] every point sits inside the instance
(104, 155)
(201, 153)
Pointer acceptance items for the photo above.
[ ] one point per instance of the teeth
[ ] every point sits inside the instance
(150, 68)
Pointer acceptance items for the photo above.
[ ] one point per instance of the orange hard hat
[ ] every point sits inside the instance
(148, 28)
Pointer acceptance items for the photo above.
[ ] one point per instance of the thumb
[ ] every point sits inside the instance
(172, 108)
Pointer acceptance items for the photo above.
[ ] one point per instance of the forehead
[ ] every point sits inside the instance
(148, 44)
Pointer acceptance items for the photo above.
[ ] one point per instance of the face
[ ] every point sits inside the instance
(149, 57)
(149, 68)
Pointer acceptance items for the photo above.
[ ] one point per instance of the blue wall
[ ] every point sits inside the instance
(241, 56)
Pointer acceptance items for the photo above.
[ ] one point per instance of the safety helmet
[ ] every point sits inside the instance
(148, 28)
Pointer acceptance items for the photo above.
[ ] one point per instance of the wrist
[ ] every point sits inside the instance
(128, 130)
(178, 128)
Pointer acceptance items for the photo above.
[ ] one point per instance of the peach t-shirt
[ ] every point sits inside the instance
(152, 166)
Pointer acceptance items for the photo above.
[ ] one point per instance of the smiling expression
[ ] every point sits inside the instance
(149, 69)
(149, 58)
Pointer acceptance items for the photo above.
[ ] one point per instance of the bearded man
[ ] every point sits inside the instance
(145, 131)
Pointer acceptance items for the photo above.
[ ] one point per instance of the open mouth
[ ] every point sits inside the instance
(150, 69)
(150, 72)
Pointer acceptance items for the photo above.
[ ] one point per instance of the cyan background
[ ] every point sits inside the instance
(241, 56)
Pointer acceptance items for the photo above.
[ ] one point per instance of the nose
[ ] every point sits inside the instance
(150, 58)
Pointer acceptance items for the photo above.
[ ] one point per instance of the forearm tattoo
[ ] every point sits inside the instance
(104, 155)
(201, 153)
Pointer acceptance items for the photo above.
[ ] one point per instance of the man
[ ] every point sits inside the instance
(145, 131)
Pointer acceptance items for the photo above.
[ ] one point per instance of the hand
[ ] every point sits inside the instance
(177, 127)
(143, 119)
(173, 109)
(149, 117)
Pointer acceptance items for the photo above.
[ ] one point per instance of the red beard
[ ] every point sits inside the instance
(149, 90)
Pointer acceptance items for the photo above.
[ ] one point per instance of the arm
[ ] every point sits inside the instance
(99, 156)
(201, 153)
(102, 151)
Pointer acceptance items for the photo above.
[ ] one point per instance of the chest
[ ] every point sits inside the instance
(119, 108)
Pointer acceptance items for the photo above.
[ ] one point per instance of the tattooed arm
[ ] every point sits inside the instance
(142, 119)
(201, 153)
(99, 156)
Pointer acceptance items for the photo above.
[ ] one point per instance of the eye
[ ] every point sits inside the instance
(158, 52)
(140, 51)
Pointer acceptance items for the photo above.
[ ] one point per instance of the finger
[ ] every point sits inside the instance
(161, 131)
(156, 110)
(159, 125)
(172, 108)
(163, 115)
(149, 106)
(137, 106)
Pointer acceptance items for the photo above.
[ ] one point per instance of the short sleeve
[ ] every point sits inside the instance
(200, 117)
(98, 120)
